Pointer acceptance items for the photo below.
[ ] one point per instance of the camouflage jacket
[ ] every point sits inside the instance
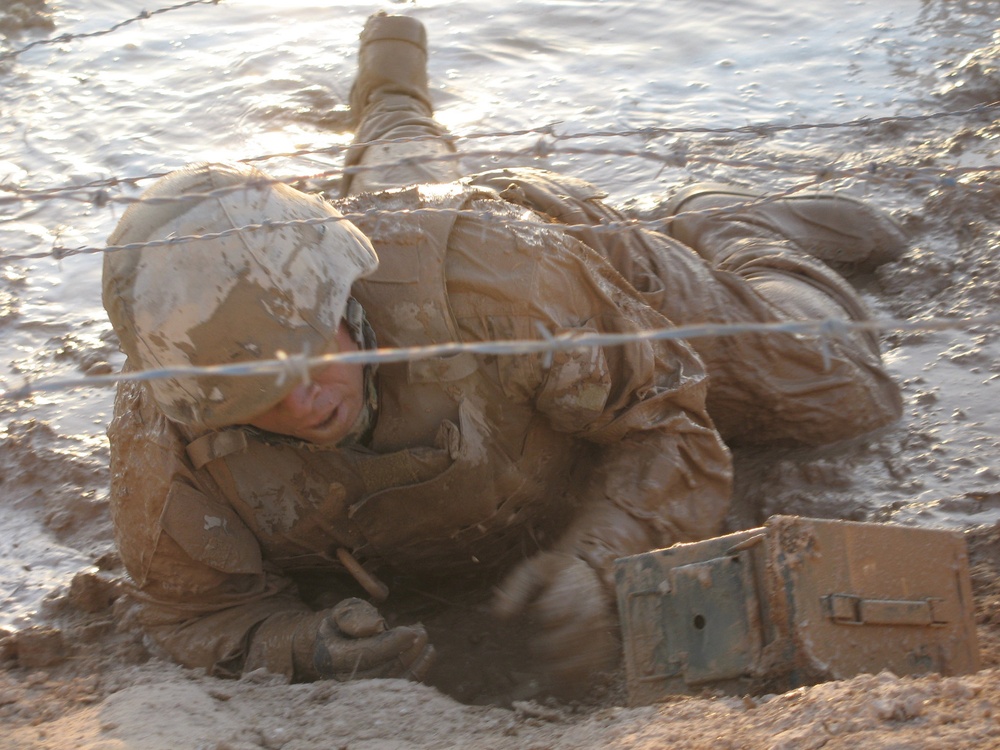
(476, 460)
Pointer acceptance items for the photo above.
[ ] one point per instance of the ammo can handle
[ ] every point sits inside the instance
(847, 609)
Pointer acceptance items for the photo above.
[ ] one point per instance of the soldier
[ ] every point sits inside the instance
(529, 472)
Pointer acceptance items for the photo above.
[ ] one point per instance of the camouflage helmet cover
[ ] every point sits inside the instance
(242, 296)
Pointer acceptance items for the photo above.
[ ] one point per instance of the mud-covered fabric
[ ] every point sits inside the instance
(476, 461)
(762, 387)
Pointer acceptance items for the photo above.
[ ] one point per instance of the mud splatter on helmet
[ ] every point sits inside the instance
(243, 296)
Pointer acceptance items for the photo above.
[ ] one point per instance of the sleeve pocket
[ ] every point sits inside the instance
(209, 531)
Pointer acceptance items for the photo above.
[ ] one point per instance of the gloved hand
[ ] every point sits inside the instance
(354, 642)
(572, 610)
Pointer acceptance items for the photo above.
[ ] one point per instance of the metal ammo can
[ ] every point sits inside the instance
(795, 602)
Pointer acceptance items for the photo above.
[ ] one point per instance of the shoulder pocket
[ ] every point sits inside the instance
(209, 531)
(577, 386)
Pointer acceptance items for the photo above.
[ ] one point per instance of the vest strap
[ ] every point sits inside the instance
(215, 445)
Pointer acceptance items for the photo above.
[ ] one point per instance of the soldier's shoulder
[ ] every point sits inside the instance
(138, 421)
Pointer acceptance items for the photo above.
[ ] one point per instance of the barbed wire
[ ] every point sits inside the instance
(625, 224)
(58, 253)
(772, 128)
(63, 38)
(879, 172)
(297, 366)
(549, 143)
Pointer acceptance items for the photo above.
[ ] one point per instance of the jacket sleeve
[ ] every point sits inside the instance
(204, 594)
(662, 473)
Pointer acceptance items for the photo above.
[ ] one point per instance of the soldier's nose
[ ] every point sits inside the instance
(300, 401)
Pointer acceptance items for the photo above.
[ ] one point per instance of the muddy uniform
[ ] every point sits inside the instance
(477, 461)
(532, 472)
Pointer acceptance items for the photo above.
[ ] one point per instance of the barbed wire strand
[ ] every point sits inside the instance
(625, 224)
(63, 38)
(659, 225)
(296, 366)
(539, 149)
(872, 171)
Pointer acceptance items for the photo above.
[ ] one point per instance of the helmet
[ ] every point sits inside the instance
(243, 296)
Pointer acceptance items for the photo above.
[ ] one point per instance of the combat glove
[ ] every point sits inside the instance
(353, 642)
(567, 593)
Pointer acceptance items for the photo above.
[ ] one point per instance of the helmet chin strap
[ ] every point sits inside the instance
(357, 323)
(364, 336)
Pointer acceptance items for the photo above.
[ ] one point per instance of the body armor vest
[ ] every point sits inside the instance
(457, 473)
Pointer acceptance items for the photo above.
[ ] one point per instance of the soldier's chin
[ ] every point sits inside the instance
(332, 435)
(326, 439)
(330, 432)
(325, 443)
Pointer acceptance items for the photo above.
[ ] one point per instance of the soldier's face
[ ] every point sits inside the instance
(324, 410)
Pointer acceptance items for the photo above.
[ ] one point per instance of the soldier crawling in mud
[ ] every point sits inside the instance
(524, 474)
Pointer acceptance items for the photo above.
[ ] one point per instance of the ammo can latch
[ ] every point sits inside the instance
(847, 609)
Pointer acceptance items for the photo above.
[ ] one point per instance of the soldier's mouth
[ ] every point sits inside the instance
(328, 421)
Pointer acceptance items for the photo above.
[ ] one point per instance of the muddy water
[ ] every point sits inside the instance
(245, 78)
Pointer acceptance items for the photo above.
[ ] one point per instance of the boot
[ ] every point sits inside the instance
(838, 229)
(392, 59)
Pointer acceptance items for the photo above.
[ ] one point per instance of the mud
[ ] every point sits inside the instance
(18, 17)
(88, 682)
(77, 673)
